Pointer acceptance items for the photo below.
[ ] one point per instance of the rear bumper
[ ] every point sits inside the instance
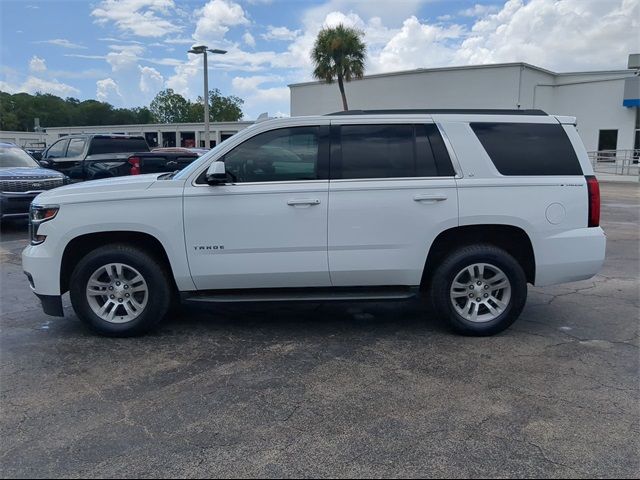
(570, 256)
(16, 204)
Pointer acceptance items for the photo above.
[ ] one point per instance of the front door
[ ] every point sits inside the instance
(267, 227)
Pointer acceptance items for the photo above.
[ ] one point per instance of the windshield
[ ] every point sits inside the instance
(16, 157)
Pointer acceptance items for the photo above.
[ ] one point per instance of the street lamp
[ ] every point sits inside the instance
(203, 49)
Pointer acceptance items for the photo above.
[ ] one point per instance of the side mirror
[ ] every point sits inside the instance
(216, 174)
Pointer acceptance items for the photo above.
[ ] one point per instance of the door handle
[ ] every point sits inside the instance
(303, 202)
(429, 198)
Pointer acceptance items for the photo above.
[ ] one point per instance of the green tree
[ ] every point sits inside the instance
(221, 108)
(170, 107)
(339, 52)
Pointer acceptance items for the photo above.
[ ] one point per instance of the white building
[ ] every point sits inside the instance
(165, 134)
(595, 98)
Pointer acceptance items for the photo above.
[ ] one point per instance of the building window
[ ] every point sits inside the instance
(608, 140)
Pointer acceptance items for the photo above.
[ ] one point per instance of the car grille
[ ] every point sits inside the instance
(29, 184)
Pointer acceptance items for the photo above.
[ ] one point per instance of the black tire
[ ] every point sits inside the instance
(152, 269)
(457, 260)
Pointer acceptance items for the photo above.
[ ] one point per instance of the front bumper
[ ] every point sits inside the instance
(51, 305)
(16, 205)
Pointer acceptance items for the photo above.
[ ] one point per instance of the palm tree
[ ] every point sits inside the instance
(339, 52)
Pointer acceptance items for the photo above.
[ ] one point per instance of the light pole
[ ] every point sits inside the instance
(203, 49)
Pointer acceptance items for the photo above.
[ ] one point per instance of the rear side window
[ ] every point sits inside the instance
(528, 148)
(76, 147)
(117, 145)
(389, 151)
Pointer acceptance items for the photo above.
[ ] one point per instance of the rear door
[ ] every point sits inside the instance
(392, 191)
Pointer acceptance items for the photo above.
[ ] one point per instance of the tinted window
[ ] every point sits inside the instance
(391, 151)
(117, 145)
(279, 155)
(57, 149)
(608, 140)
(76, 147)
(15, 157)
(528, 148)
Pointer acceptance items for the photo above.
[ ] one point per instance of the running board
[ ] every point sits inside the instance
(301, 295)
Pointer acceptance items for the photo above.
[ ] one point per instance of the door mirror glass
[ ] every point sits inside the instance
(216, 173)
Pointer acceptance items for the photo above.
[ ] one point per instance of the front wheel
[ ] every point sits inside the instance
(479, 289)
(120, 290)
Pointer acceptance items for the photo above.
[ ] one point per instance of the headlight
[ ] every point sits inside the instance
(39, 214)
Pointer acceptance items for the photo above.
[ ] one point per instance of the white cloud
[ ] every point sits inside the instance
(416, 45)
(185, 75)
(144, 18)
(62, 42)
(35, 85)
(248, 39)
(250, 84)
(280, 33)
(124, 57)
(151, 81)
(215, 19)
(37, 64)
(568, 35)
(179, 41)
(107, 90)
(479, 10)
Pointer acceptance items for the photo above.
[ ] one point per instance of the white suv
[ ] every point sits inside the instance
(467, 206)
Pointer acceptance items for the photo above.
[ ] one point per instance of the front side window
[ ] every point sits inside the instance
(58, 149)
(76, 147)
(281, 155)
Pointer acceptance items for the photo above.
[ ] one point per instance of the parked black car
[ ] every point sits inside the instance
(21, 179)
(93, 156)
(160, 160)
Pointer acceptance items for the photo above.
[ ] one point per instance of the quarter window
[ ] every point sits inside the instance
(528, 148)
(281, 155)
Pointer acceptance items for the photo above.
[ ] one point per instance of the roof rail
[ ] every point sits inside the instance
(442, 111)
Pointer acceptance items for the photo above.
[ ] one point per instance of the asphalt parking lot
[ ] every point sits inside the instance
(331, 390)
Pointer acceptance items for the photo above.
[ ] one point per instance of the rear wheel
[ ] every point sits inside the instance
(479, 289)
(120, 290)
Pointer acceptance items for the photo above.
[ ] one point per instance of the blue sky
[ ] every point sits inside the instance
(125, 51)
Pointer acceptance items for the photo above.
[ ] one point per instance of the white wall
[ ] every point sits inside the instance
(597, 106)
(490, 87)
(23, 139)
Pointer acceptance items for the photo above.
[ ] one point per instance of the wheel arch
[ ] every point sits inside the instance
(81, 245)
(514, 240)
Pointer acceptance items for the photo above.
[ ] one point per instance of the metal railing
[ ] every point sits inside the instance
(616, 162)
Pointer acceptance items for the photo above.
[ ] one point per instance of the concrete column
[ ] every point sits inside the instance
(197, 137)
(178, 139)
(218, 137)
(160, 139)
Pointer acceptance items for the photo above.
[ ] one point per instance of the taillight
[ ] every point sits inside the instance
(135, 165)
(594, 201)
